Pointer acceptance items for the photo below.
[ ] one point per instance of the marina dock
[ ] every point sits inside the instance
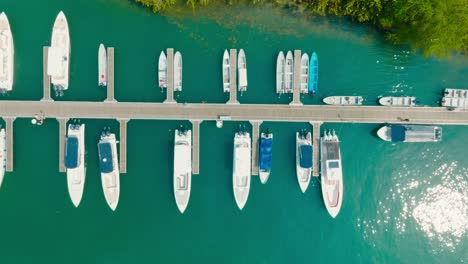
(233, 77)
(62, 135)
(123, 146)
(170, 76)
(9, 142)
(110, 75)
(45, 76)
(255, 137)
(297, 79)
(195, 146)
(315, 146)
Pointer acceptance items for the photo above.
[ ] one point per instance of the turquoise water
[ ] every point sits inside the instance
(402, 203)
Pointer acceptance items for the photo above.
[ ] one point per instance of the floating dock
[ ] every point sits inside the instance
(110, 75)
(195, 146)
(315, 145)
(9, 142)
(45, 77)
(233, 77)
(170, 76)
(123, 146)
(62, 135)
(297, 79)
(255, 137)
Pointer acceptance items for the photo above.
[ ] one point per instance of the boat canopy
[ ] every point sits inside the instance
(305, 156)
(265, 154)
(398, 133)
(71, 153)
(105, 157)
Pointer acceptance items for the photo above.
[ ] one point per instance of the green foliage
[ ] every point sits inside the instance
(438, 27)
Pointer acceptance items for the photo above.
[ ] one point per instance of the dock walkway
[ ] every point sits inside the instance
(233, 77)
(110, 75)
(297, 79)
(255, 137)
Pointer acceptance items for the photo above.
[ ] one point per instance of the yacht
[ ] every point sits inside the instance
(289, 73)
(241, 168)
(397, 101)
(177, 71)
(303, 158)
(305, 73)
(182, 167)
(109, 167)
(455, 102)
(280, 62)
(313, 74)
(226, 73)
(162, 70)
(266, 144)
(331, 173)
(410, 133)
(343, 100)
(7, 55)
(102, 61)
(456, 93)
(2, 154)
(242, 68)
(59, 55)
(75, 161)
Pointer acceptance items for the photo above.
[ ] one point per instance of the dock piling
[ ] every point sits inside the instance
(123, 145)
(170, 76)
(233, 76)
(315, 146)
(255, 137)
(62, 135)
(45, 76)
(196, 146)
(110, 75)
(9, 142)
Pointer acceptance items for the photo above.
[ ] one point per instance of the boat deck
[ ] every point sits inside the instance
(255, 136)
(170, 76)
(233, 76)
(297, 79)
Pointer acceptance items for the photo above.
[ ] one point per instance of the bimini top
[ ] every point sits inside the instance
(105, 157)
(398, 133)
(71, 153)
(305, 160)
(265, 153)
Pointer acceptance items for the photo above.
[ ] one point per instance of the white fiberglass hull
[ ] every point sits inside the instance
(241, 168)
(76, 176)
(177, 71)
(397, 101)
(182, 168)
(111, 180)
(242, 71)
(226, 66)
(289, 73)
(304, 73)
(303, 174)
(7, 55)
(343, 100)
(162, 70)
(2, 154)
(59, 54)
(280, 62)
(331, 176)
(102, 63)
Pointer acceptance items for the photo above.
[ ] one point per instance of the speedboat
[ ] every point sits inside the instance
(304, 73)
(241, 168)
(289, 73)
(266, 144)
(59, 55)
(303, 158)
(242, 68)
(7, 55)
(177, 71)
(410, 133)
(456, 93)
(162, 70)
(343, 100)
(109, 167)
(102, 61)
(331, 173)
(2, 154)
(313, 74)
(182, 167)
(397, 101)
(75, 161)
(226, 73)
(280, 73)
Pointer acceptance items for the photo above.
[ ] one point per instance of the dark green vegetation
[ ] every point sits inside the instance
(438, 27)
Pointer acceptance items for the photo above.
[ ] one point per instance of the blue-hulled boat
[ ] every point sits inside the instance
(313, 74)
(266, 143)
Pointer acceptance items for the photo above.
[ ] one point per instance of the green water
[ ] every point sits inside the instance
(404, 203)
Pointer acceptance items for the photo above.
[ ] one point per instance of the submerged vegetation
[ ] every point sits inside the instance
(438, 27)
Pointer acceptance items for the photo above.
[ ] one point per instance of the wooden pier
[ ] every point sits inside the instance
(297, 79)
(45, 77)
(170, 76)
(9, 142)
(123, 146)
(62, 135)
(315, 146)
(110, 75)
(255, 137)
(196, 146)
(233, 77)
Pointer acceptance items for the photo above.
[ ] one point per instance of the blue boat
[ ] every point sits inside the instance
(313, 72)
(266, 143)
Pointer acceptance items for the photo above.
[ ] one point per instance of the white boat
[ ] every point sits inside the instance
(102, 62)
(226, 75)
(289, 73)
(331, 173)
(459, 103)
(242, 69)
(280, 73)
(305, 73)
(59, 55)
(7, 55)
(177, 71)
(182, 168)
(2, 154)
(162, 70)
(109, 168)
(397, 101)
(456, 93)
(343, 100)
(410, 133)
(303, 159)
(241, 168)
(75, 161)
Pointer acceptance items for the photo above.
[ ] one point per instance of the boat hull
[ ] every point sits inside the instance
(343, 100)
(59, 54)
(241, 168)
(289, 73)
(102, 62)
(7, 55)
(280, 61)
(331, 175)
(265, 157)
(226, 66)
(397, 101)
(182, 168)
(410, 133)
(178, 71)
(304, 73)
(162, 70)
(303, 173)
(242, 71)
(111, 180)
(76, 176)
(313, 74)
